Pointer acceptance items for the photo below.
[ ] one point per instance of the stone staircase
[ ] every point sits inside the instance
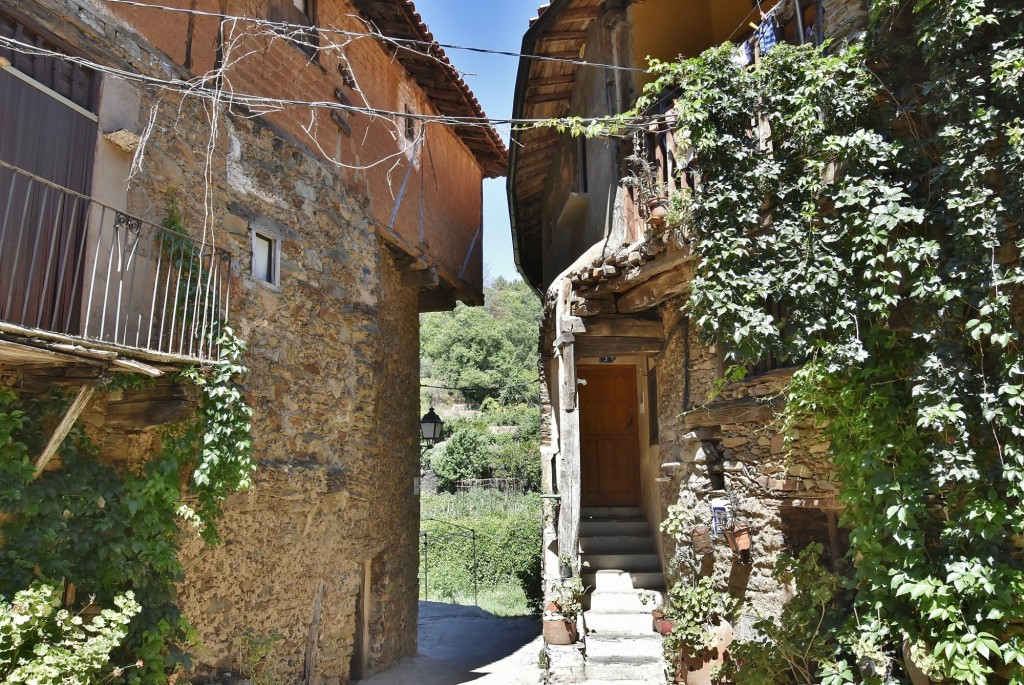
(620, 559)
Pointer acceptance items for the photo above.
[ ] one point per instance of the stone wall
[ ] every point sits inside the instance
(728, 446)
(323, 548)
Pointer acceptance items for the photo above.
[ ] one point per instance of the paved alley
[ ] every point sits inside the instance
(460, 644)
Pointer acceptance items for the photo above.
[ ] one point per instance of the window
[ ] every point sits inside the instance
(410, 124)
(266, 258)
(297, 13)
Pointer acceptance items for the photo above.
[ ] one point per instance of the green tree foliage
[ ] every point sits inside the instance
(885, 214)
(465, 455)
(504, 442)
(480, 349)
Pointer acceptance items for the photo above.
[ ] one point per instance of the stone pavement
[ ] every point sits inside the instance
(459, 644)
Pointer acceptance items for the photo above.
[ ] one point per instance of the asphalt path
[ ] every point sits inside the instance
(459, 644)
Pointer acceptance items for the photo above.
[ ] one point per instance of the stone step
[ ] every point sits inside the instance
(622, 562)
(612, 512)
(625, 669)
(614, 527)
(605, 600)
(623, 581)
(603, 544)
(618, 624)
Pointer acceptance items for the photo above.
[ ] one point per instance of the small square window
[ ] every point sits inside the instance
(266, 258)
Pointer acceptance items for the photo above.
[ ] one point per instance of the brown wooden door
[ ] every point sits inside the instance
(609, 442)
(41, 228)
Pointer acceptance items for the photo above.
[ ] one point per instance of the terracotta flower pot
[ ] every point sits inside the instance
(701, 540)
(658, 210)
(559, 632)
(694, 667)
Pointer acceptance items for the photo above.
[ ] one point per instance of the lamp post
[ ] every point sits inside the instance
(431, 430)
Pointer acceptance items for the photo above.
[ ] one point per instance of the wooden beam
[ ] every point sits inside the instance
(63, 428)
(559, 96)
(564, 35)
(653, 292)
(680, 260)
(553, 80)
(623, 326)
(732, 411)
(421, 278)
(618, 346)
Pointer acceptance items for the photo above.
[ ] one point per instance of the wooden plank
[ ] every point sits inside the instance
(132, 366)
(733, 411)
(15, 353)
(653, 292)
(577, 14)
(618, 347)
(63, 428)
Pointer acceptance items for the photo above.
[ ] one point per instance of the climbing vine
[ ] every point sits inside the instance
(875, 192)
(107, 530)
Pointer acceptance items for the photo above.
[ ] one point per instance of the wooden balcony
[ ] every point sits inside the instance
(75, 272)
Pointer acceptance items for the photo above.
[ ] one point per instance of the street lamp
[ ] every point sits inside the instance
(431, 428)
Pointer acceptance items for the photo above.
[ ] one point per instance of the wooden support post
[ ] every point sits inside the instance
(70, 416)
(569, 431)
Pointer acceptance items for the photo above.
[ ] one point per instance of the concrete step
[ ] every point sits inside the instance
(605, 600)
(603, 544)
(618, 624)
(623, 581)
(625, 669)
(608, 646)
(622, 562)
(612, 512)
(614, 527)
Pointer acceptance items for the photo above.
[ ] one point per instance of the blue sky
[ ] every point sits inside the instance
(496, 25)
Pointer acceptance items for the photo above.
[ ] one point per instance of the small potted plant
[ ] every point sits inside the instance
(660, 624)
(561, 612)
(651, 198)
(701, 633)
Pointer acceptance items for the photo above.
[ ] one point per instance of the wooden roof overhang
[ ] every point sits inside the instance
(544, 90)
(430, 68)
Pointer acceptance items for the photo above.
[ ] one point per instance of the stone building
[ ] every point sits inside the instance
(631, 423)
(323, 231)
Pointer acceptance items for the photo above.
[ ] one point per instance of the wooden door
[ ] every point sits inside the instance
(47, 128)
(609, 437)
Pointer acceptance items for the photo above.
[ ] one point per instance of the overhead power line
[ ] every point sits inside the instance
(381, 36)
(197, 87)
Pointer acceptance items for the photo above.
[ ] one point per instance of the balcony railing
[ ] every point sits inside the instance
(74, 267)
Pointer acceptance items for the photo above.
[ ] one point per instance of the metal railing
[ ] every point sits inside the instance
(73, 266)
(445, 534)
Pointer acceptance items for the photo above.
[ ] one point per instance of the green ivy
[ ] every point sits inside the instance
(109, 530)
(875, 192)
